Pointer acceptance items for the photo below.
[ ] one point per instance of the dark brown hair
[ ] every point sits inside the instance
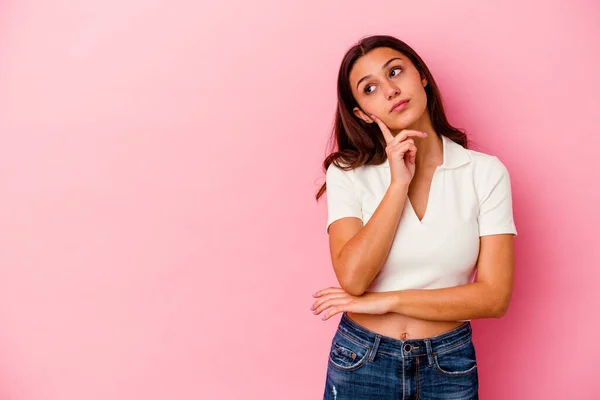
(359, 143)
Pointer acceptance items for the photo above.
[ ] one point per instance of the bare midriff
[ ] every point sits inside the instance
(401, 327)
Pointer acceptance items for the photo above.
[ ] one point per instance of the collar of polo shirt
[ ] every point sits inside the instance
(454, 155)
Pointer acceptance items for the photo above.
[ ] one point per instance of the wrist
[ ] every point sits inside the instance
(399, 187)
(391, 301)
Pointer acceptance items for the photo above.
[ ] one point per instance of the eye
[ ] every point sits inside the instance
(397, 70)
(369, 89)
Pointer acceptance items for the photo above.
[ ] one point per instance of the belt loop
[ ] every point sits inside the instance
(375, 347)
(429, 352)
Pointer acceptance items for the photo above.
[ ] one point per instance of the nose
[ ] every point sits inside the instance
(391, 90)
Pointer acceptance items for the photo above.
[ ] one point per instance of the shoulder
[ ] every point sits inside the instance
(342, 170)
(361, 179)
(358, 173)
(340, 175)
(490, 174)
(486, 164)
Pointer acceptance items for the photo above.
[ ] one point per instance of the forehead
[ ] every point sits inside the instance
(371, 63)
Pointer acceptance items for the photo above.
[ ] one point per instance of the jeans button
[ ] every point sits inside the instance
(407, 348)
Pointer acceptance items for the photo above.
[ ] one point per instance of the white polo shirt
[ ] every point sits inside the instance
(470, 196)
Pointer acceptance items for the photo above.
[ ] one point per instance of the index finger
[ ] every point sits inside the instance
(387, 135)
(406, 133)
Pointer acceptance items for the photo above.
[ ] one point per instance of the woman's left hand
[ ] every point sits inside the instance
(335, 300)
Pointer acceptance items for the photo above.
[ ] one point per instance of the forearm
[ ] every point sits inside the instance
(363, 256)
(471, 301)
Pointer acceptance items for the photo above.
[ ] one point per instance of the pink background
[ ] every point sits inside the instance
(159, 235)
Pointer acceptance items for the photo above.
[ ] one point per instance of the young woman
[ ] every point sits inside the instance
(412, 215)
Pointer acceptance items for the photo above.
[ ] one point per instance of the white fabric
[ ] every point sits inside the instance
(470, 196)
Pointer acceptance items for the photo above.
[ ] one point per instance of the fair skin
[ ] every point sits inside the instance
(379, 80)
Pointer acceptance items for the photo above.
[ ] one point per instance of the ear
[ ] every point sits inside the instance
(360, 114)
(424, 81)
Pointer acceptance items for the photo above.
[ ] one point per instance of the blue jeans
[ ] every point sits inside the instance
(364, 365)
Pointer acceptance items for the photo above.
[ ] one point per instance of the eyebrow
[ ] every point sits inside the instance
(383, 67)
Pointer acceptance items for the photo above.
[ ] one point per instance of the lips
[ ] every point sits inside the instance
(401, 105)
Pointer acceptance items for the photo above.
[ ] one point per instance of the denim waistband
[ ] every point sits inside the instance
(407, 348)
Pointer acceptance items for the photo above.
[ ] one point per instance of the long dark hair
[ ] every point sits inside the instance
(359, 143)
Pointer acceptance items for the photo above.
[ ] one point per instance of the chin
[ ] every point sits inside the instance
(401, 122)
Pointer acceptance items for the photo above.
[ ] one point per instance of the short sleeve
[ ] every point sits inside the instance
(495, 206)
(342, 200)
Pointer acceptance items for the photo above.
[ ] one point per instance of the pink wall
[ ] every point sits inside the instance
(158, 163)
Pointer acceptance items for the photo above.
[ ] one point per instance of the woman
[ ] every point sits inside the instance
(412, 215)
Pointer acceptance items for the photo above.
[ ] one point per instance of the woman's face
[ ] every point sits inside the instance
(386, 83)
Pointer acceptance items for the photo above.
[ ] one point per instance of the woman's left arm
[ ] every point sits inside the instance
(488, 297)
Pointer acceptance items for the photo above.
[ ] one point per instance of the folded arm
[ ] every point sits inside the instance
(488, 297)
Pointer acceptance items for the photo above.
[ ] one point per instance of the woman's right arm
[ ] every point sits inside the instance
(358, 252)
